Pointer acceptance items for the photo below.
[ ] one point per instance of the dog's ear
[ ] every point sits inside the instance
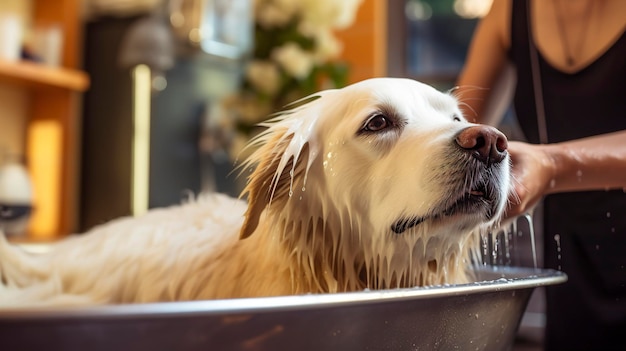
(272, 180)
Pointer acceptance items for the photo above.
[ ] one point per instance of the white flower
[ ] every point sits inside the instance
(270, 15)
(264, 76)
(327, 46)
(295, 61)
(307, 29)
(291, 6)
(316, 20)
(329, 13)
(347, 13)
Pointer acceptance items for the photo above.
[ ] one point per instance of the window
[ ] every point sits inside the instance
(428, 39)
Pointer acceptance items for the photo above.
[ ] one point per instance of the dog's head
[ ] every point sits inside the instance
(382, 158)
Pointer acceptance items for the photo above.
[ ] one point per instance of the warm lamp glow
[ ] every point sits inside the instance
(141, 139)
(45, 140)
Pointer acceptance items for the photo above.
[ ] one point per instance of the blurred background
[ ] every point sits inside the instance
(111, 107)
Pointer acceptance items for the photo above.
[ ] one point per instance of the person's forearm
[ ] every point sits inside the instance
(594, 163)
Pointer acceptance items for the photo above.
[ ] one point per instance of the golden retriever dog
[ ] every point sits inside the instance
(382, 184)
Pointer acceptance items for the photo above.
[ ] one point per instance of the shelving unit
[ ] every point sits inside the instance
(51, 121)
(37, 76)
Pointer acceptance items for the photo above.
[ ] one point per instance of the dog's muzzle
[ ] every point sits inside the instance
(485, 143)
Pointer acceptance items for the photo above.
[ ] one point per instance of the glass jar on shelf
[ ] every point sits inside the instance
(16, 196)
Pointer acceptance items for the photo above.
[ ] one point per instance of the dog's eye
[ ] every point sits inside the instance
(377, 123)
(456, 118)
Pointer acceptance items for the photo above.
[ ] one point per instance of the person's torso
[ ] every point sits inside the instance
(588, 102)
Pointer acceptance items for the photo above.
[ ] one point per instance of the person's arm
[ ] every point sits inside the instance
(485, 64)
(594, 163)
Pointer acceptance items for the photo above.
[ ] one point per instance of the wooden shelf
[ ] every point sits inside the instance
(40, 76)
(47, 116)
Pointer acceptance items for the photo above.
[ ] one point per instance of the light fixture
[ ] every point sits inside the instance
(147, 50)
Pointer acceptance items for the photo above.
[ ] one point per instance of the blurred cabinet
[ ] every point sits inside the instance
(365, 45)
(51, 120)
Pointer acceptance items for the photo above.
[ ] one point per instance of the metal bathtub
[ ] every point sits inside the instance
(478, 316)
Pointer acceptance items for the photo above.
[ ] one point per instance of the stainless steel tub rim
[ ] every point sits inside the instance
(483, 315)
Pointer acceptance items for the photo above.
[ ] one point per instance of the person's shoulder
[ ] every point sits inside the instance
(500, 9)
(498, 19)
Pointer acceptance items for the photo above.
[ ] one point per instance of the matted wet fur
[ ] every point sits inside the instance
(381, 184)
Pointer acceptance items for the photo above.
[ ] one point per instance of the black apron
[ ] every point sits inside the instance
(589, 311)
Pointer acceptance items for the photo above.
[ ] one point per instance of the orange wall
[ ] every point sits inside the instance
(365, 42)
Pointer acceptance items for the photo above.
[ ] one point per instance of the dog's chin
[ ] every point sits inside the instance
(465, 212)
(483, 202)
(469, 204)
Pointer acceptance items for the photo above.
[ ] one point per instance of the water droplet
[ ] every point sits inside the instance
(613, 230)
(290, 193)
(597, 247)
(557, 238)
(608, 215)
(303, 189)
(533, 246)
(579, 175)
(552, 183)
(485, 248)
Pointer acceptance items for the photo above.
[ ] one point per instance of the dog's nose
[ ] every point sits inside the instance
(487, 144)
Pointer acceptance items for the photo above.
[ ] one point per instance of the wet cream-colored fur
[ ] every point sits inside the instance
(330, 180)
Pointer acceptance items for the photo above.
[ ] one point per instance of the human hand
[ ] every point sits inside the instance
(533, 175)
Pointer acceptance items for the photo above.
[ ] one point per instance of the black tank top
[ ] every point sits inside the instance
(589, 311)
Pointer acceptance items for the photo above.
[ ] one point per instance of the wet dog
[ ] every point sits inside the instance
(381, 184)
